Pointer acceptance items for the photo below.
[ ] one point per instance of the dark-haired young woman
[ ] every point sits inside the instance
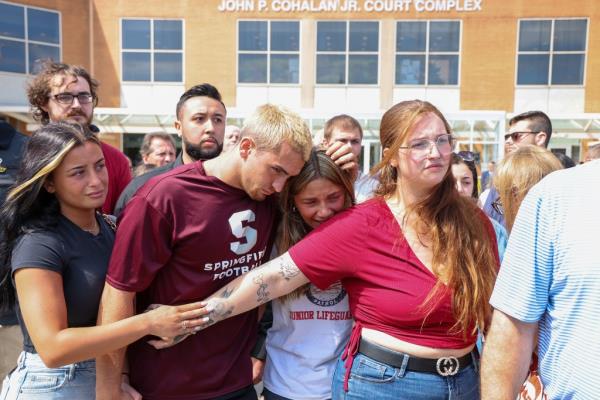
(310, 325)
(53, 264)
(465, 174)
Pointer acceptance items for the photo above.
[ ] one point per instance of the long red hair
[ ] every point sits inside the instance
(464, 259)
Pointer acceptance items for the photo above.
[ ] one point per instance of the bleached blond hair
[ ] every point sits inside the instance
(272, 125)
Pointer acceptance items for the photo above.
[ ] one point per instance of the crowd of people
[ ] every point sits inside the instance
(257, 255)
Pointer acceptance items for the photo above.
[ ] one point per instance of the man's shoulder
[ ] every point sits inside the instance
(569, 184)
(141, 180)
(170, 179)
(365, 186)
(11, 139)
(108, 149)
(19, 139)
(367, 180)
(587, 172)
(113, 155)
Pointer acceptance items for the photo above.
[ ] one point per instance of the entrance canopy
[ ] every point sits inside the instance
(478, 131)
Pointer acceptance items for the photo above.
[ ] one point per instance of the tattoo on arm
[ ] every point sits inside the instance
(221, 311)
(226, 293)
(220, 308)
(288, 269)
(262, 294)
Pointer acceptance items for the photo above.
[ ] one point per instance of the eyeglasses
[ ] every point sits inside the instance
(516, 136)
(67, 98)
(422, 147)
(468, 156)
(497, 206)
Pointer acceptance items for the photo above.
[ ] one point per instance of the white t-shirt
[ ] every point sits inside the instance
(307, 336)
(364, 186)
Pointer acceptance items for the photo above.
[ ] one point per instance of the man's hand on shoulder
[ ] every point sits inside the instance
(343, 157)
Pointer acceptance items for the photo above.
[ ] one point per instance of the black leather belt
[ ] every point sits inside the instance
(444, 366)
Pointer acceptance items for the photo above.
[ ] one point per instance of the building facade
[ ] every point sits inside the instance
(479, 61)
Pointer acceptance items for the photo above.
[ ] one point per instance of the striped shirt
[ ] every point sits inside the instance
(551, 275)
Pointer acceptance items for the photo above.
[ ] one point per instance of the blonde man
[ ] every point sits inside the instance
(201, 226)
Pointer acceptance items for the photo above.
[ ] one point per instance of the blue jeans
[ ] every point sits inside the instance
(370, 379)
(32, 380)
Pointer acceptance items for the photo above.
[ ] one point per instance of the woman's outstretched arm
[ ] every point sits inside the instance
(276, 278)
(42, 303)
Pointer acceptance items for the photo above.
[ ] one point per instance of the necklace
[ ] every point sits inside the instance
(398, 211)
(93, 229)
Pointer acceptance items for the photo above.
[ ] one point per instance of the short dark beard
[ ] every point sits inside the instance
(196, 152)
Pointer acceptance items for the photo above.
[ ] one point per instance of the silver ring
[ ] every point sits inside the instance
(184, 325)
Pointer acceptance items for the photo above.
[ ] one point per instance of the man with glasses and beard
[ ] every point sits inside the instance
(200, 123)
(63, 92)
(529, 128)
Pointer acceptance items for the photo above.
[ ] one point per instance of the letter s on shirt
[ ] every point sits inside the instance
(243, 231)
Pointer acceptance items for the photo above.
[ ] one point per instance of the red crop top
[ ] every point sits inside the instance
(385, 280)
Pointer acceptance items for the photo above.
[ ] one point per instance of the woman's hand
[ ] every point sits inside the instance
(258, 368)
(127, 391)
(166, 342)
(175, 321)
(215, 309)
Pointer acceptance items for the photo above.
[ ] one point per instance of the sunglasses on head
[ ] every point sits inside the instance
(497, 206)
(468, 156)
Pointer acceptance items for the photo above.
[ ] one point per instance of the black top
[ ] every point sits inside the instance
(80, 257)
(141, 180)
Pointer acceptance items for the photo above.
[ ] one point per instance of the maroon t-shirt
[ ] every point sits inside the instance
(119, 175)
(386, 282)
(183, 236)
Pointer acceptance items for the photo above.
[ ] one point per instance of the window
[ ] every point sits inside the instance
(152, 50)
(27, 35)
(427, 52)
(269, 52)
(347, 52)
(551, 52)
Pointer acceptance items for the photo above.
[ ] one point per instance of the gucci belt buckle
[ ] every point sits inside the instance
(447, 366)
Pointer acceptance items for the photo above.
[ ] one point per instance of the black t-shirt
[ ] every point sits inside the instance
(80, 257)
(141, 180)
